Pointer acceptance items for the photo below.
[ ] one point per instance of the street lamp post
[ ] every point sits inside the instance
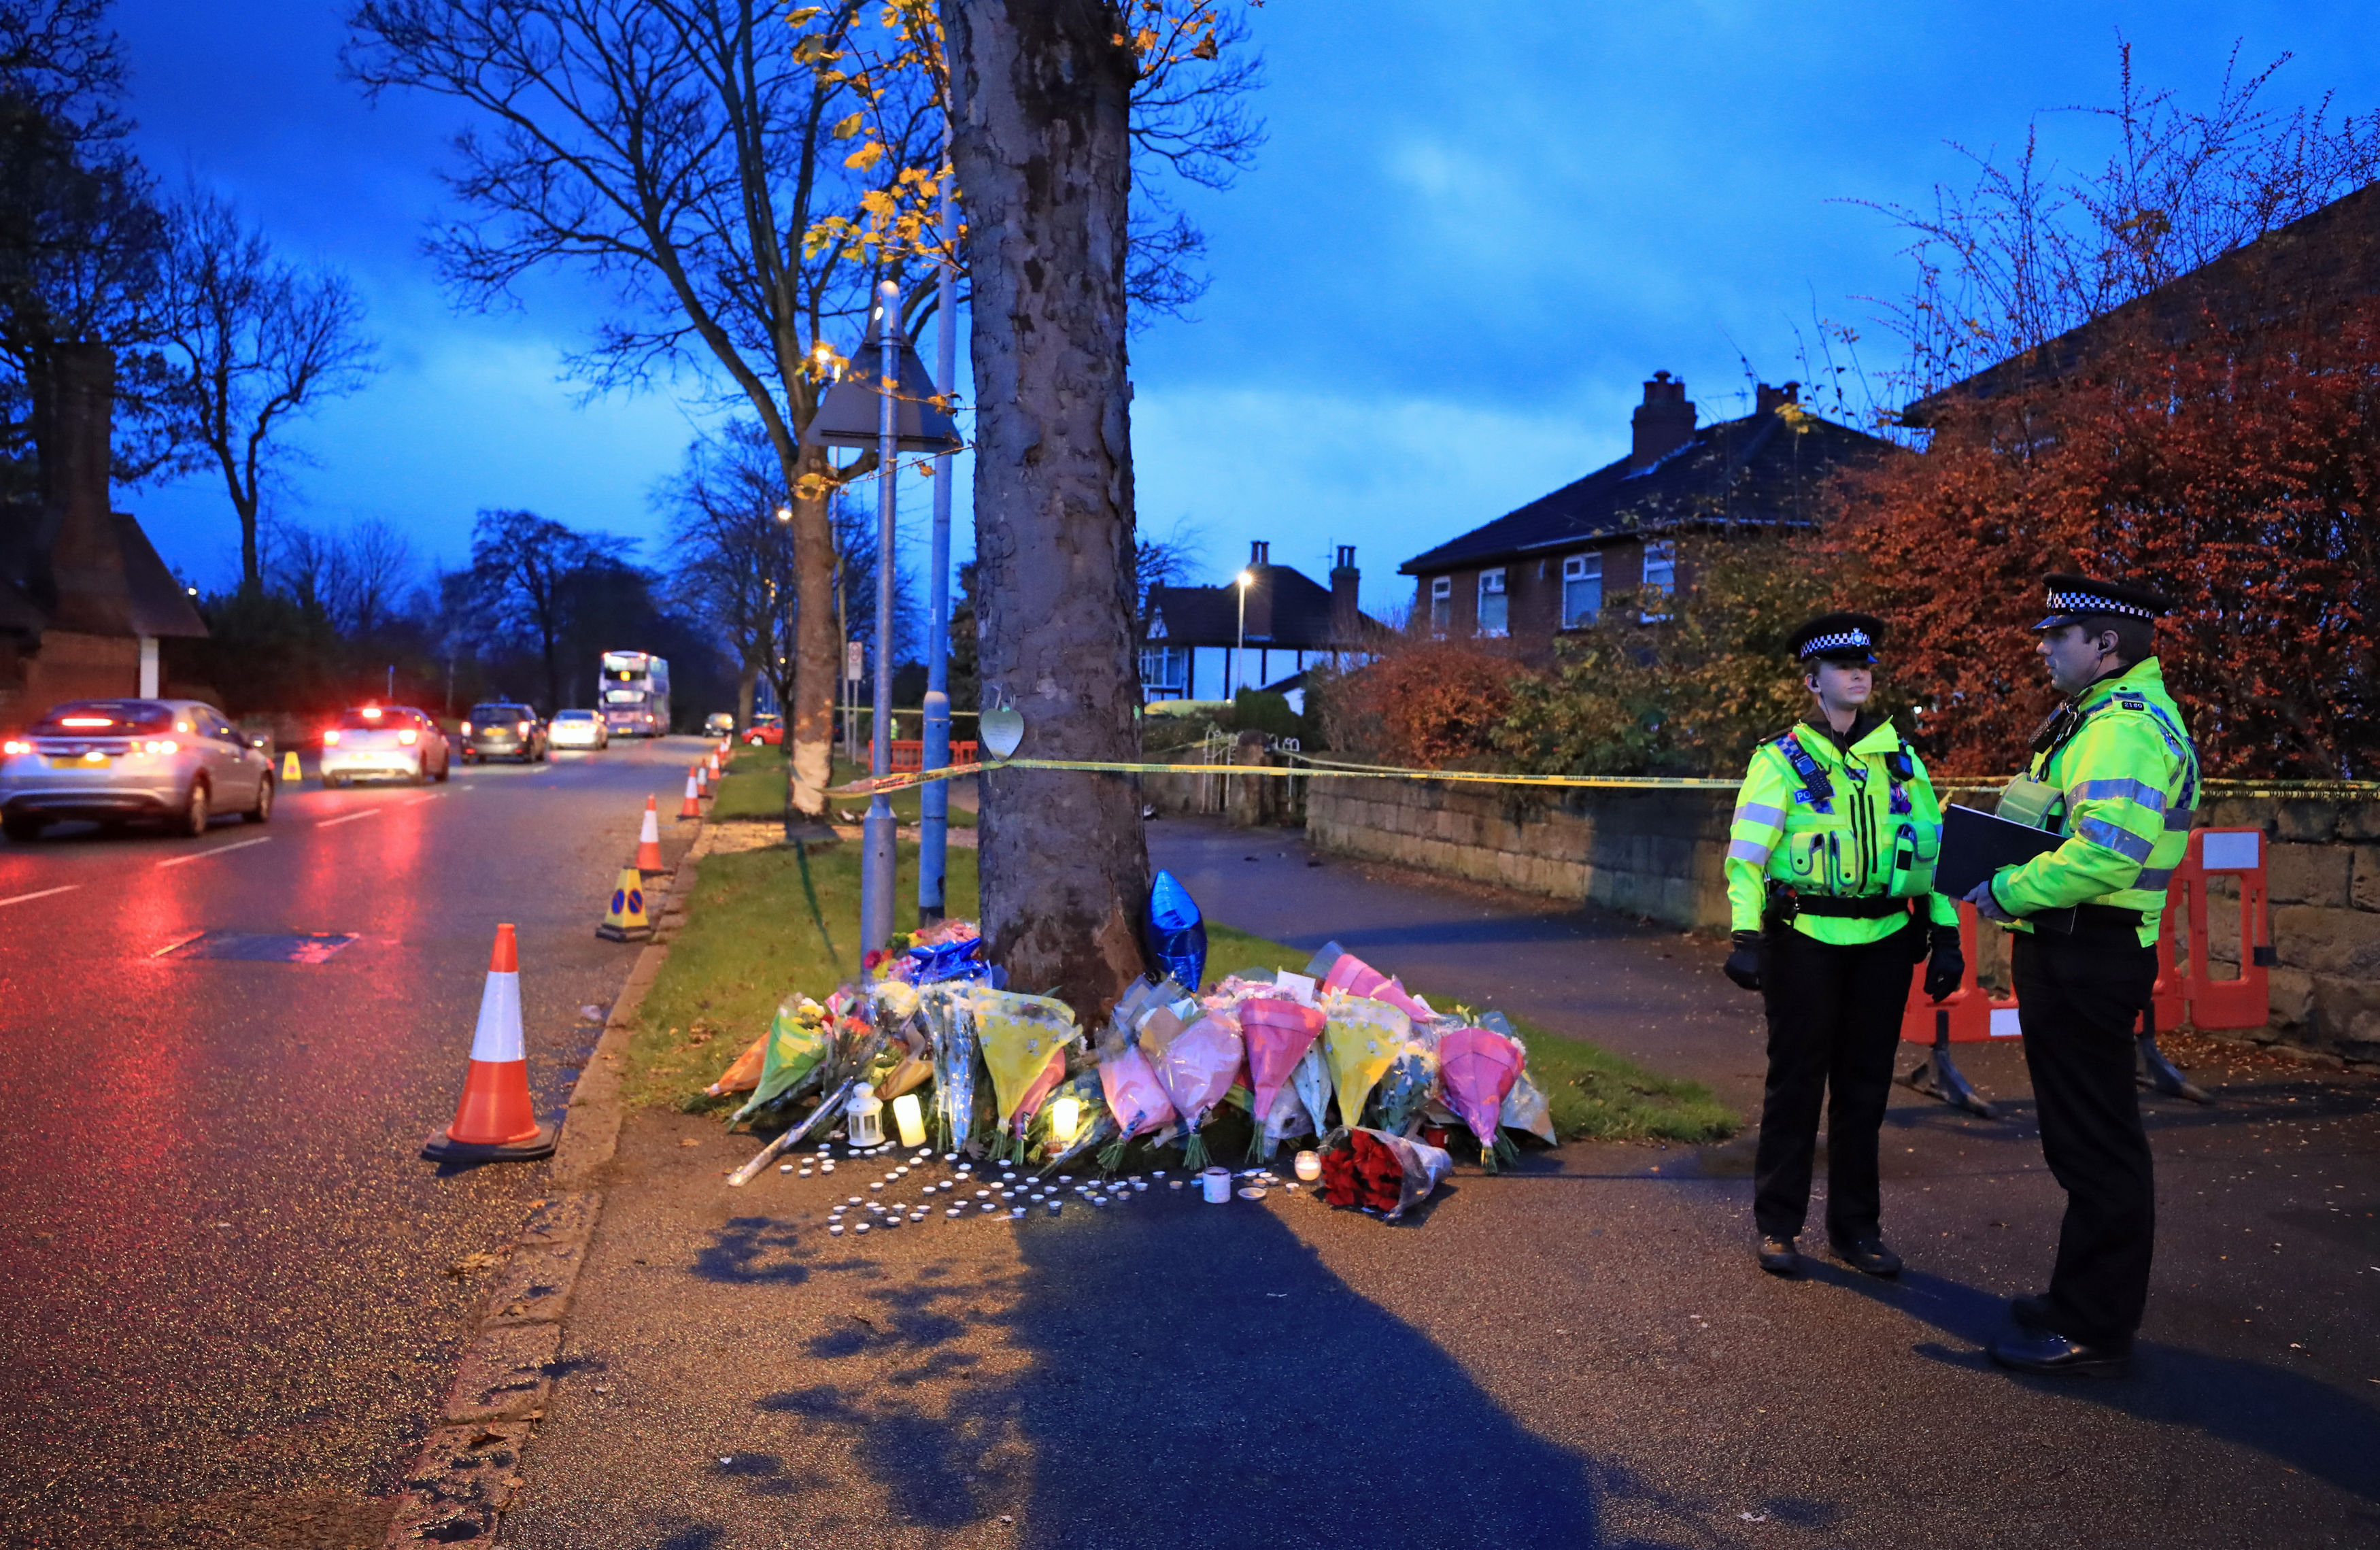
(1246, 579)
(934, 797)
(876, 876)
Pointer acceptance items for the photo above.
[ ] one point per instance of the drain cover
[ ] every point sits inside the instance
(312, 946)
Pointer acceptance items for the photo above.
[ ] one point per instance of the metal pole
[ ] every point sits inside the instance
(934, 797)
(876, 879)
(1232, 689)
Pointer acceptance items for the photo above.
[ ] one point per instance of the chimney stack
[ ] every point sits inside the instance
(1767, 400)
(1664, 423)
(74, 404)
(1259, 552)
(1345, 618)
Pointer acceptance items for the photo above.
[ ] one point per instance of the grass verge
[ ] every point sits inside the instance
(753, 786)
(751, 938)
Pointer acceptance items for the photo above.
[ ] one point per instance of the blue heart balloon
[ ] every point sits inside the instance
(1177, 933)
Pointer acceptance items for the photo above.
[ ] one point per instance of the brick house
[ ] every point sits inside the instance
(1194, 646)
(1548, 566)
(84, 598)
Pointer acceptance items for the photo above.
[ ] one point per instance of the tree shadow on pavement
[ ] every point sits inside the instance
(1183, 1376)
(2299, 1420)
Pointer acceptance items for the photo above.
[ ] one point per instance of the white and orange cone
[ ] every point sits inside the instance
(495, 1122)
(702, 780)
(714, 767)
(692, 806)
(648, 843)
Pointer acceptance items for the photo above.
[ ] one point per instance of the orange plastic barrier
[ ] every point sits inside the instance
(909, 754)
(2183, 994)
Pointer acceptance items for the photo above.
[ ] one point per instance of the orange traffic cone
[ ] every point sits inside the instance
(495, 1122)
(648, 843)
(701, 780)
(692, 806)
(714, 767)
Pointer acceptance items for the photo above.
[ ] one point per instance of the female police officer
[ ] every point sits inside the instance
(1834, 835)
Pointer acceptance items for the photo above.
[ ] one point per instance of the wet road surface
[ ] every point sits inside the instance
(226, 1310)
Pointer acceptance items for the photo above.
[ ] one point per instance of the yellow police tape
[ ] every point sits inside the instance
(1309, 767)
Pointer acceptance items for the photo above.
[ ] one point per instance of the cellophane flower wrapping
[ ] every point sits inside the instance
(1277, 1033)
(1526, 1107)
(1196, 1069)
(1311, 1082)
(1339, 970)
(1094, 1125)
(1405, 1089)
(958, 1060)
(1371, 1170)
(1361, 1036)
(1478, 1068)
(1023, 1037)
(797, 1043)
(743, 1073)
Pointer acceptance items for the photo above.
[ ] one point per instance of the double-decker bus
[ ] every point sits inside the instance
(636, 694)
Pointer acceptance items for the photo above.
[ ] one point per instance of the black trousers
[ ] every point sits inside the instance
(1834, 1022)
(2079, 999)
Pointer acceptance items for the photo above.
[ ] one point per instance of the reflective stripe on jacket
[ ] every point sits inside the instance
(2123, 788)
(1872, 835)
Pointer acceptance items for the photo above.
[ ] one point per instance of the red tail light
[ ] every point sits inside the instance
(408, 736)
(524, 728)
(331, 738)
(466, 728)
(162, 745)
(12, 747)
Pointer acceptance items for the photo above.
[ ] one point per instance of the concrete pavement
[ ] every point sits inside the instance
(226, 1309)
(1577, 1353)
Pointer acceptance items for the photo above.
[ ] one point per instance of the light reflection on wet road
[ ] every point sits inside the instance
(224, 1288)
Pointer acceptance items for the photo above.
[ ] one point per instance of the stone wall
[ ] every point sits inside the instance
(1659, 854)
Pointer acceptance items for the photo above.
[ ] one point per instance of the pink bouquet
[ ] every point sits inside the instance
(1477, 1070)
(1278, 1034)
(1135, 1098)
(1196, 1069)
(1351, 974)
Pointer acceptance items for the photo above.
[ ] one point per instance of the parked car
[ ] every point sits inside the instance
(719, 724)
(503, 730)
(577, 730)
(767, 727)
(116, 760)
(392, 742)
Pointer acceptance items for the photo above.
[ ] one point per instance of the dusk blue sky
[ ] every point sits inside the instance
(1474, 232)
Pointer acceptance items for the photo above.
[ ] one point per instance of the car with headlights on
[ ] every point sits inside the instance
(121, 761)
(504, 729)
(719, 724)
(386, 742)
(577, 730)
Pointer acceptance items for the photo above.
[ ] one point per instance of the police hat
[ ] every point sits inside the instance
(2074, 598)
(1845, 638)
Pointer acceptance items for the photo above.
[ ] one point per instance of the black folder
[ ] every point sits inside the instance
(1976, 845)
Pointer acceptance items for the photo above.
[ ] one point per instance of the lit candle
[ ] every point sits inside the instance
(910, 1118)
(1065, 1113)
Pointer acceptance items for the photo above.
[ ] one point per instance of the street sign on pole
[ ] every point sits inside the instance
(855, 662)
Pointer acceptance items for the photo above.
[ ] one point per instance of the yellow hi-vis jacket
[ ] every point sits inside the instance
(1863, 824)
(2121, 783)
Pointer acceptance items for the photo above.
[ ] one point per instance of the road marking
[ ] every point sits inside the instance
(178, 942)
(202, 855)
(25, 898)
(347, 818)
(415, 801)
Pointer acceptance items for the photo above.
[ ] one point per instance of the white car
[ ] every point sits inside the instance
(114, 761)
(386, 742)
(577, 730)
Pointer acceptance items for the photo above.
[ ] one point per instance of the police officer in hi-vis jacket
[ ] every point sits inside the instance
(1830, 890)
(2115, 772)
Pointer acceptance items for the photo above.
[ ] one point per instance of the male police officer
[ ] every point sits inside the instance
(2114, 771)
(1835, 833)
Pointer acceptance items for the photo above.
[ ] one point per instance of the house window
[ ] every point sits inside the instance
(1493, 612)
(1582, 590)
(1164, 672)
(1441, 604)
(1660, 576)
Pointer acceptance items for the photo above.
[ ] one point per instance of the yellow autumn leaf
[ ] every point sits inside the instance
(876, 203)
(866, 156)
(846, 128)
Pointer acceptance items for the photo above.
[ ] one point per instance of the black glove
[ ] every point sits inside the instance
(1742, 965)
(1947, 968)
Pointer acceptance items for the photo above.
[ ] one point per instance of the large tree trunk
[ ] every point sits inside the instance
(817, 664)
(1040, 90)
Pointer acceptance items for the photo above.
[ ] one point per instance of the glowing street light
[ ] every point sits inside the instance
(1246, 579)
